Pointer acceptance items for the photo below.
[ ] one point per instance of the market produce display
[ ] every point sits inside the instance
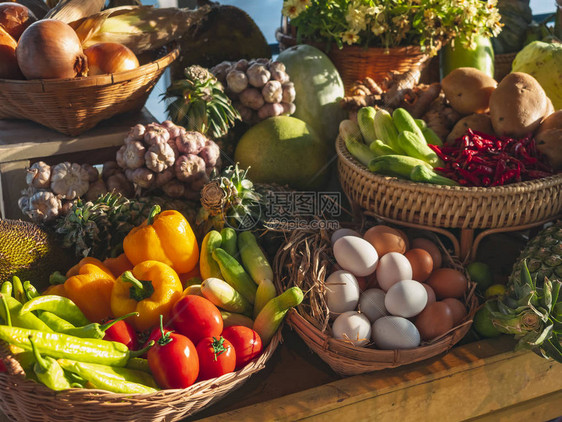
(160, 278)
(84, 331)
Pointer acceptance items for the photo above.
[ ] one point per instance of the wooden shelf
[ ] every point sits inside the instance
(483, 380)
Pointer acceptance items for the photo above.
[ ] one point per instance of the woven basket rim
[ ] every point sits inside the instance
(99, 80)
(158, 399)
(509, 189)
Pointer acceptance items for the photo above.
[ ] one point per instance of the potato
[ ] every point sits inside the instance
(468, 90)
(477, 121)
(549, 139)
(518, 105)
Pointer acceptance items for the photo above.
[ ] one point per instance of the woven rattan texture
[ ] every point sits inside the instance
(449, 206)
(72, 106)
(24, 400)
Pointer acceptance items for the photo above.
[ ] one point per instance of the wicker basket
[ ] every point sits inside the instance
(355, 63)
(502, 65)
(72, 106)
(424, 204)
(305, 261)
(25, 400)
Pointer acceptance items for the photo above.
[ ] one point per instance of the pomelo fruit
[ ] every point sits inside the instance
(283, 150)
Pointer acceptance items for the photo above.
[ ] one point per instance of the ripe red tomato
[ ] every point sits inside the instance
(196, 317)
(173, 361)
(247, 343)
(123, 332)
(216, 357)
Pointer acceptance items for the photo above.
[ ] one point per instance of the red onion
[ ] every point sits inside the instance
(8, 64)
(50, 49)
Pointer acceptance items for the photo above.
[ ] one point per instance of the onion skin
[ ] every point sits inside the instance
(110, 57)
(50, 49)
(15, 18)
(9, 68)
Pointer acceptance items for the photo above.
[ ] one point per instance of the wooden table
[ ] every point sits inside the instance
(24, 142)
(483, 380)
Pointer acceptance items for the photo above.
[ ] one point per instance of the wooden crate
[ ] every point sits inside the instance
(23, 142)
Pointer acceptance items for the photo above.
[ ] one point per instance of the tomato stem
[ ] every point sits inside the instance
(218, 346)
(165, 338)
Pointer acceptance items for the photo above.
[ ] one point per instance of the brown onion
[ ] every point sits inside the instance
(110, 57)
(9, 68)
(15, 18)
(50, 49)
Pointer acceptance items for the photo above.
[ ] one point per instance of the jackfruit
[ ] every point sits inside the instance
(30, 252)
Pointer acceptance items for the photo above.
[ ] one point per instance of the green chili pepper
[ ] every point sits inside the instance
(58, 305)
(55, 323)
(58, 345)
(94, 330)
(117, 380)
(19, 294)
(139, 364)
(28, 320)
(7, 288)
(30, 290)
(48, 370)
(75, 380)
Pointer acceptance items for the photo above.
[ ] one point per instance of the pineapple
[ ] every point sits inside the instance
(532, 312)
(543, 254)
(200, 104)
(229, 199)
(98, 228)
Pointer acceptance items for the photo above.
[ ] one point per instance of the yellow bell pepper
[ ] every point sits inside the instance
(89, 285)
(151, 288)
(165, 237)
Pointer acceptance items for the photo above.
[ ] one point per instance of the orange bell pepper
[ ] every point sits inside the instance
(89, 285)
(118, 265)
(151, 289)
(165, 237)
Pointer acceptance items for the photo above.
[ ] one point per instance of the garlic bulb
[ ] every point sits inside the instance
(70, 180)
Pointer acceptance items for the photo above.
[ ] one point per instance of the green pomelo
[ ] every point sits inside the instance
(283, 150)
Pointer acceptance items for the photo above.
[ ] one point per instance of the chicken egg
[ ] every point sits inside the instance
(407, 298)
(342, 292)
(421, 262)
(392, 268)
(355, 255)
(352, 327)
(385, 239)
(457, 308)
(432, 248)
(371, 303)
(448, 282)
(394, 332)
(436, 319)
(430, 293)
(339, 233)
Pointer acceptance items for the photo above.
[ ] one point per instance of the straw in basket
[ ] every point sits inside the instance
(305, 261)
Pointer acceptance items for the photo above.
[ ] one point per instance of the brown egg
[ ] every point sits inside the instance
(447, 282)
(404, 236)
(430, 294)
(457, 308)
(436, 319)
(429, 246)
(385, 239)
(421, 262)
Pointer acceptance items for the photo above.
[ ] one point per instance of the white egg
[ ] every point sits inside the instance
(392, 268)
(342, 292)
(371, 303)
(407, 298)
(339, 233)
(352, 327)
(356, 255)
(393, 332)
